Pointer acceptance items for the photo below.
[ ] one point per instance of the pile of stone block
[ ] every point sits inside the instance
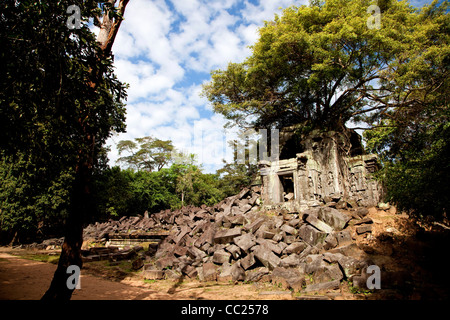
(109, 253)
(235, 241)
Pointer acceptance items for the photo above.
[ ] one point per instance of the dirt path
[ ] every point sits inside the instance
(23, 279)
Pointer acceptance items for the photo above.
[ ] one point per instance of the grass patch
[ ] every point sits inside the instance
(148, 281)
(40, 257)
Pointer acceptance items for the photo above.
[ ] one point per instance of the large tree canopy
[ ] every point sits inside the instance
(48, 107)
(60, 101)
(152, 153)
(323, 64)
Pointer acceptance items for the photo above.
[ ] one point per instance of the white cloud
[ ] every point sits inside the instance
(164, 50)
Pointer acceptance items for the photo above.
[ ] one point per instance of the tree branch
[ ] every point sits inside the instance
(109, 28)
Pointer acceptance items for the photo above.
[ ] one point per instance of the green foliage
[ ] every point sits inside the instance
(48, 109)
(413, 138)
(151, 154)
(126, 192)
(33, 200)
(321, 64)
(416, 177)
(234, 177)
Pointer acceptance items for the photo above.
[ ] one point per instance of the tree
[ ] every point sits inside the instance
(413, 139)
(234, 176)
(60, 101)
(152, 154)
(322, 66)
(113, 193)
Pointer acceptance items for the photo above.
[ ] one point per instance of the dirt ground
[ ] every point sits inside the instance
(410, 258)
(23, 279)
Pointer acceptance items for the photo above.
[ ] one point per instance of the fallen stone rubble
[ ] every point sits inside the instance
(236, 241)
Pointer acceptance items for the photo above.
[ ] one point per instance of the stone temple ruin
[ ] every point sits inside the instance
(298, 229)
(321, 167)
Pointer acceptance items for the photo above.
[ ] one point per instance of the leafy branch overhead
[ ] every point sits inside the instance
(321, 64)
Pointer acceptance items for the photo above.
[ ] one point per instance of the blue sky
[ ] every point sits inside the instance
(165, 51)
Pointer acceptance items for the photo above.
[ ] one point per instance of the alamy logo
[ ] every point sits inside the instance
(74, 21)
(374, 281)
(374, 21)
(73, 281)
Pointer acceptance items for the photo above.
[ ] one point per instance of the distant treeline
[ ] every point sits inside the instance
(34, 207)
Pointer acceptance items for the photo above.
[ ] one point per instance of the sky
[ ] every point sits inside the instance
(166, 49)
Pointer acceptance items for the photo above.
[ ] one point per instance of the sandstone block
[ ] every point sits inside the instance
(248, 261)
(221, 257)
(267, 257)
(363, 229)
(153, 274)
(227, 235)
(234, 250)
(209, 272)
(254, 226)
(245, 241)
(311, 235)
(295, 247)
(322, 226)
(331, 285)
(333, 218)
(288, 229)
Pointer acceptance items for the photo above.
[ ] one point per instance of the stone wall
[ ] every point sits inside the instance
(327, 169)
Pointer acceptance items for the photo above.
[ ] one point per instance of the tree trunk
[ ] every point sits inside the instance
(71, 248)
(81, 204)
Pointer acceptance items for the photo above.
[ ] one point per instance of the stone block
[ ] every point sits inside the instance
(318, 224)
(165, 262)
(311, 235)
(248, 261)
(321, 270)
(288, 239)
(288, 229)
(362, 212)
(254, 226)
(207, 236)
(238, 220)
(267, 257)
(225, 273)
(209, 272)
(330, 242)
(221, 257)
(288, 278)
(293, 260)
(153, 274)
(363, 229)
(171, 274)
(257, 274)
(226, 235)
(294, 222)
(333, 217)
(365, 220)
(245, 241)
(243, 193)
(195, 253)
(331, 285)
(349, 265)
(343, 237)
(295, 247)
(270, 244)
(184, 230)
(234, 250)
(237, 273)
(179, 251)
(267, 234)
